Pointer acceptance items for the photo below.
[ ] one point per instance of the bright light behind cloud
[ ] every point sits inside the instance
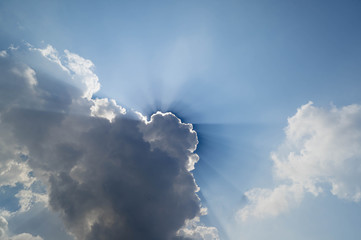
(108, 173)
(124, 119)
(322, 152)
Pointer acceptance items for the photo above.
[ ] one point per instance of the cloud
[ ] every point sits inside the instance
(27, 198)
(83, 72)
(105, 108)
(109, 174)
(167, 133)
(322, 152)
(3, 227)
(3, 53)
(78, 68)
(38, 220)
(270, 202)
(25, 236)
(22, 236)
(12, 172)
(28, 74)
(193, 229)
(119, 186)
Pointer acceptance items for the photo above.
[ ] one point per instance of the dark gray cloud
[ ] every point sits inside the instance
(127, 178)
(118, 184)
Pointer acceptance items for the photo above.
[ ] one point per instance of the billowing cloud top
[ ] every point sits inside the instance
(109, 174)
(322, 152)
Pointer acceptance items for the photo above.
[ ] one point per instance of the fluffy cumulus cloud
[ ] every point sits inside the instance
(109, 174)
(322, 152)
(106, 108)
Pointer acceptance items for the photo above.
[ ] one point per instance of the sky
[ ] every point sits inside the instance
(203, 120)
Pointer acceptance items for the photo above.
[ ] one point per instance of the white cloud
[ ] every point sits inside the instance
(193, 229)
(79, 69)
(3, 53)
(322, 152)
(105, 108)
(13, 172)
(51, 54)
(270, 202)
(25, 236)
(3, 227)
(27, 198)
(83, 69)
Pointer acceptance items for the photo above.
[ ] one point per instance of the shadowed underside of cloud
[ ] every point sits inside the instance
(322, 152)
(109, 174)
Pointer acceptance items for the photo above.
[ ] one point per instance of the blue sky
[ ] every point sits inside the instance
(236, 70)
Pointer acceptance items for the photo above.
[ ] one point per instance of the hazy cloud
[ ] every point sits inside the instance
(27, 198)
(3, 53)
(4, 233)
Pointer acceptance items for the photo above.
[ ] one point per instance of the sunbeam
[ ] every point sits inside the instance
(180, 120)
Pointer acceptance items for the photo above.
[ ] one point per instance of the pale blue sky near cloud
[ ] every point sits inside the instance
(235, 69)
